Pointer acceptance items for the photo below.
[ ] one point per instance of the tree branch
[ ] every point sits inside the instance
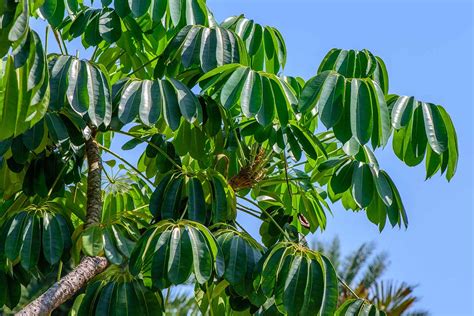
(89, 267)
(64, 289)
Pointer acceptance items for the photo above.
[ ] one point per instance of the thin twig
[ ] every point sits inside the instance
(347, 287)
(154, 146)
(57, 179)
(285, 234)
(144, 65)
(127, 163)
(56, 36)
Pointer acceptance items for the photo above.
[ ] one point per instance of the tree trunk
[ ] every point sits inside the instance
(89, 267)
(94, 183)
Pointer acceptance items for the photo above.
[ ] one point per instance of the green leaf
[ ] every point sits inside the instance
(123, 243)
(231, 90)
(295, 284)
(57, 130)
(381, 117)
(362, 185)
(149, 302)
(99, 97)
(105, 303)
(189, 105)
(92, 35)
(65, 230)
(139, 7)
(383, 187)
(111, 252)
(77, 93)
(13, 243)
(329, 303)
(313, 88)
(235, 259)
(10, 99)
(159, 266)
(87, 303)
(31, 243)
(170, 105)
(294, 146)
(270, 269)
(435, 127)
(208, 49)
(196, 201)
(150, 102)
(53, 11)
(171, 198)
(202, 259)
(130, 102)
(20, 27)
(251, 97)
(306, 142)
(52, 239)
(381, 76)
(92, 240)
(180, 260)
(59, 82)
(266, 113)
(219, 201)
(281, 103)
(175, 11)
(315, 287)
(156, 199)
(360, 111)
(402, 110)
(109, 26)
(452, 143)
(121, 7)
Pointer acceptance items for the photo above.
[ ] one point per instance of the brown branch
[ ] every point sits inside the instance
(89, 267)
(66, 287)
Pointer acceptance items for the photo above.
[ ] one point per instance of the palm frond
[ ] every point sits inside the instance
(394, 298)
(354, 262)
(374, 270)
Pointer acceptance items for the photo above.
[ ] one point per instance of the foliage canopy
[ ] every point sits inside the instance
(219, 130)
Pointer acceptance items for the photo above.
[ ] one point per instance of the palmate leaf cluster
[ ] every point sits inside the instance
(218, 130)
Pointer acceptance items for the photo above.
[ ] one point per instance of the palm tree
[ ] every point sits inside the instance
(362, 270)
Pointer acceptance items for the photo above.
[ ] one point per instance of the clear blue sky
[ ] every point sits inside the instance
(427, 47)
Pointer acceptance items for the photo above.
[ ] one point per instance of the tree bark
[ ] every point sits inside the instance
(89, 267)
(94, 183)
(61, 291)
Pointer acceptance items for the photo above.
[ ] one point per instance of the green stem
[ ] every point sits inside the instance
(127, 163)
(60, 270)
(238, 143)
(247, 211)
(168, 293)
(58, 40)
(347, 287)
(94, 53)
(57, 178)
(285, 234)
(241, 227)
(209, 298)
(286, 177)
(144, 65)
(154, 146)
(108, 176)
(46, 37)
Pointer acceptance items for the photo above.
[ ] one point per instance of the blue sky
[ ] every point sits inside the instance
(427, 47)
